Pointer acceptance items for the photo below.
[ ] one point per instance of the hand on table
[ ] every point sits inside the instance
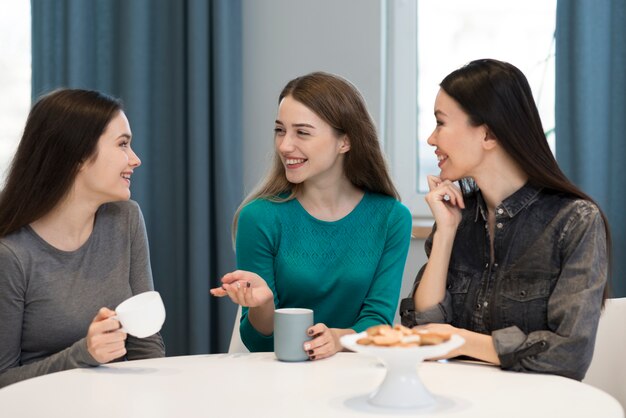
(244, 288)
(478, 346)
(443, 329)
(325, 342)
(104, 342)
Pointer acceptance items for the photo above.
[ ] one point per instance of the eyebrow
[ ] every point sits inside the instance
(127, 136)
(297, 125)
(439, 113)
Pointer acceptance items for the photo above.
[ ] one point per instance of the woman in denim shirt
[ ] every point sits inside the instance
(518, 257)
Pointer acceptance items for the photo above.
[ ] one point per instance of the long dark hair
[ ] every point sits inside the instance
(338, 103)
(497, 94)
(61, 133)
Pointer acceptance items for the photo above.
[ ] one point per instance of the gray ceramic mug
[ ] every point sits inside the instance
(290, 333)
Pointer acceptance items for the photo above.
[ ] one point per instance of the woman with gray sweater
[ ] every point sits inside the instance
(72, 244)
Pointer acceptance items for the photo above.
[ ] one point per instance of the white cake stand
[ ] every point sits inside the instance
(402, 387)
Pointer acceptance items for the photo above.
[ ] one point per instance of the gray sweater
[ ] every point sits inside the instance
(49, 297)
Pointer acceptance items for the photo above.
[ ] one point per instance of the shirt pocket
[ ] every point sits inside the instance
(458, 286)
(524, 300)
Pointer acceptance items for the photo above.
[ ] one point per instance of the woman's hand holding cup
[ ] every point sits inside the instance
(325, 341)
(104, 342)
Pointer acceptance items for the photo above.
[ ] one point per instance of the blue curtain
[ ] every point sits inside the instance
(591, 109)
(176, 64)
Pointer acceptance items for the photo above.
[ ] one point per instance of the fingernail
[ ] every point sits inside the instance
(310, 332)
(312, 357)
(310, 352)
(247, 284)
(307, 347)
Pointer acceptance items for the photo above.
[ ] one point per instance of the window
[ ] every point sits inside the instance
(15, 77)
(429, 39)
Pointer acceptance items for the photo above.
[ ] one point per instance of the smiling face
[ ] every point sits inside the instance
(309, 148)
(460, 146)
(106, 176)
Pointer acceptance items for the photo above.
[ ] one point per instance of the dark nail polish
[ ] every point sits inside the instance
(312, 358)
(310, 332)
(310, 352)
(247, 284)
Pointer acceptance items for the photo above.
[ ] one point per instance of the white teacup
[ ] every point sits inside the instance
(141, 315)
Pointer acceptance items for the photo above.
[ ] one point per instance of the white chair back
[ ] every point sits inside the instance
(608, 366)
(236, 345)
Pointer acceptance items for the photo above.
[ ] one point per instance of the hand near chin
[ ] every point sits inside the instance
(244, 288)
(445, 201)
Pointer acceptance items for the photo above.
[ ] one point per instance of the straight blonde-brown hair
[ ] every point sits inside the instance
(338, 103)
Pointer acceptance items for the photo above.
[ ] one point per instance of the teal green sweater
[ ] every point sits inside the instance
(348, 271)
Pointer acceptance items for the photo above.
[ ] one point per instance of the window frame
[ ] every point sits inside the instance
(17, 74)
(400, 107)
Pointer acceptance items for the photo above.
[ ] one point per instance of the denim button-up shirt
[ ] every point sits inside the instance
(541, 297)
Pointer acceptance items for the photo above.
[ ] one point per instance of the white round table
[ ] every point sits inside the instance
(257, 385)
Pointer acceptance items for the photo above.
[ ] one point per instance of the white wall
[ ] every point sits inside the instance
(283, 39)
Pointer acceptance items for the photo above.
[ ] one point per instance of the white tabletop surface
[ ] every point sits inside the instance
(257, 385)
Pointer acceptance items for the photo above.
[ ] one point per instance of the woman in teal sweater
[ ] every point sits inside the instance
(325, 230)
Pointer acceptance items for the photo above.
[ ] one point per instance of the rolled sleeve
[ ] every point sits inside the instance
(440, 313)
(574, 307)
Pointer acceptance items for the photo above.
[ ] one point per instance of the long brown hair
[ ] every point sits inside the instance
(497, 94)
(61, 133)
(338, 103)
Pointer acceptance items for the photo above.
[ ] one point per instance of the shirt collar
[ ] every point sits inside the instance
(481, 207)
(512, 204)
